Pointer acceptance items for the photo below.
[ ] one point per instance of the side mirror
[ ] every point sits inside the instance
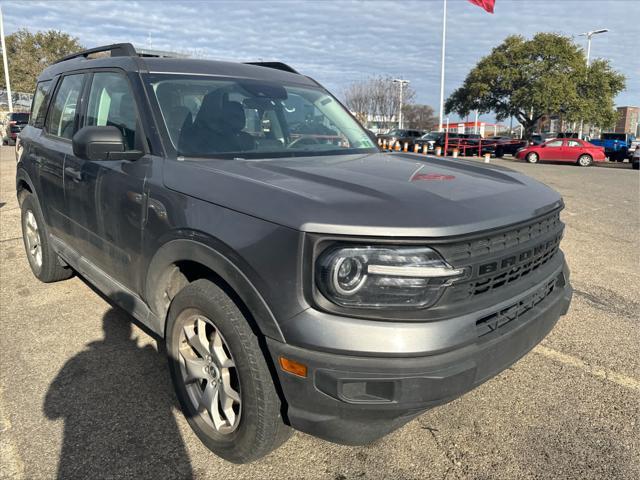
(543, 145)
(102, 143)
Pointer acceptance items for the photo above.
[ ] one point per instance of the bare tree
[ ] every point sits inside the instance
(419, 117)
(376, 97)
(357, 98)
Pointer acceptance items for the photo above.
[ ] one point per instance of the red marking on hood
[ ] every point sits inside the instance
(431, 176)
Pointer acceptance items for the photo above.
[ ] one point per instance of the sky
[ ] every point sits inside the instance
(341, 42)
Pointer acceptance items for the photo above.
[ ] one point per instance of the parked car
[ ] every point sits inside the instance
(635, 160)
(506, 145)
(567, 135)
(14, 122)
(633, 147)
(401, 136)
(465, 143)
(616, 145)
(563, 150)
(537, 139)
(298, 281)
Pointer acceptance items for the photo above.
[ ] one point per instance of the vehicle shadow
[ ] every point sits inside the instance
(117, 404)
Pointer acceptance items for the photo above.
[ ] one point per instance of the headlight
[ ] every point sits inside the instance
(383, 277)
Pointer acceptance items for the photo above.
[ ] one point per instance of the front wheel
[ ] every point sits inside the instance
(533, 157)
(220, 375)
(43, 260)
(585, 160)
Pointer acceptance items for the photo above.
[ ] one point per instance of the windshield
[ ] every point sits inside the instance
(243, 118)
(614, 136)
(397, 133)
(430, 136)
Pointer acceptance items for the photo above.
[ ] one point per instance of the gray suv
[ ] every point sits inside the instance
(299, 276)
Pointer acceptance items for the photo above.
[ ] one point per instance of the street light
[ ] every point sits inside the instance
(4, 64)
(402, 84)
(589, 35)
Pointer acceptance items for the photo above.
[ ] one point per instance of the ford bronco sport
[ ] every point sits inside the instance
(299, 276)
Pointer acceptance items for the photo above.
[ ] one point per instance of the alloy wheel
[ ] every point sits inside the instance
(209, 373)
(532, 158)
(34, 244)
(584, 160)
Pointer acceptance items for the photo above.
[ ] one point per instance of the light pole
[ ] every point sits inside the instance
(5, 64)
(444, 37)
(589, 35)
(402, 84)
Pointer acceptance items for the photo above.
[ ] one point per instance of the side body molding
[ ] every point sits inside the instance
(190, 250)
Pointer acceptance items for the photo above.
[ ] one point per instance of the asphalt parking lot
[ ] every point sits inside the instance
(85, 394)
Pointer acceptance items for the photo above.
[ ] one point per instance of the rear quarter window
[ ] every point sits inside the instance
(39, 105)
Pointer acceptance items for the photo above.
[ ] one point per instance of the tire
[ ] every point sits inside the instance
(499, 153)
(585, 160)
(45, 263)
(635, 165)
(242, 422)
(533, 157)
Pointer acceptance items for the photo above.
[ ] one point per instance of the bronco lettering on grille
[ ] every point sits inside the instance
(518, 258)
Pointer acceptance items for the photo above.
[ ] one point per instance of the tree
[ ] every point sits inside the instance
(357, 98)
(419, 117)
(386, 97)
(376, 96)
(30, 53)
(545, 75)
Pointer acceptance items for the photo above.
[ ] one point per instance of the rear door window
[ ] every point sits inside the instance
(61, 120)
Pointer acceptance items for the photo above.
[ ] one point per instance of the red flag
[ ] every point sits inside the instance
(486, 4)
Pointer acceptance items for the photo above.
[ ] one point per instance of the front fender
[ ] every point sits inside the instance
(190, 250)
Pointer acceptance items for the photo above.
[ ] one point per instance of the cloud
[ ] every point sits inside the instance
(338, 42)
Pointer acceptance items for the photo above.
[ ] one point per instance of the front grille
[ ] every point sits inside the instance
(517, 270)
(496, 320)
(494, 243)
(497, 260)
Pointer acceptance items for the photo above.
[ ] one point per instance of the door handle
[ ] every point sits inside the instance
(76, 175)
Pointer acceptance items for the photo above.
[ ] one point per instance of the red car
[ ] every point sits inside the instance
(563, 150)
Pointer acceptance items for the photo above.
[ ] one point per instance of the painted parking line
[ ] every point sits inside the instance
(622, 380)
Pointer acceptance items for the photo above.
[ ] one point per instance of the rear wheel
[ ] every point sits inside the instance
(499, 153)
(585, 160)
(221, 377)
(43, 260)
(533, 157)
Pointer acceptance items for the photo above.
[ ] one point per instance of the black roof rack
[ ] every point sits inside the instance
(116, 49)
(276, 65)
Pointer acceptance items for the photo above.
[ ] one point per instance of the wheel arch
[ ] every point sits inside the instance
(182, 261)
(24, 184)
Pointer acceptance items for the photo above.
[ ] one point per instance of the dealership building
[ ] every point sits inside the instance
(628, 120)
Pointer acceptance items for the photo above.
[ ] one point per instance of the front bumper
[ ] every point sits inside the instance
(355, 400)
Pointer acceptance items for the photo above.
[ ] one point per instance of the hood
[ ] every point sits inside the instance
(377, 194)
